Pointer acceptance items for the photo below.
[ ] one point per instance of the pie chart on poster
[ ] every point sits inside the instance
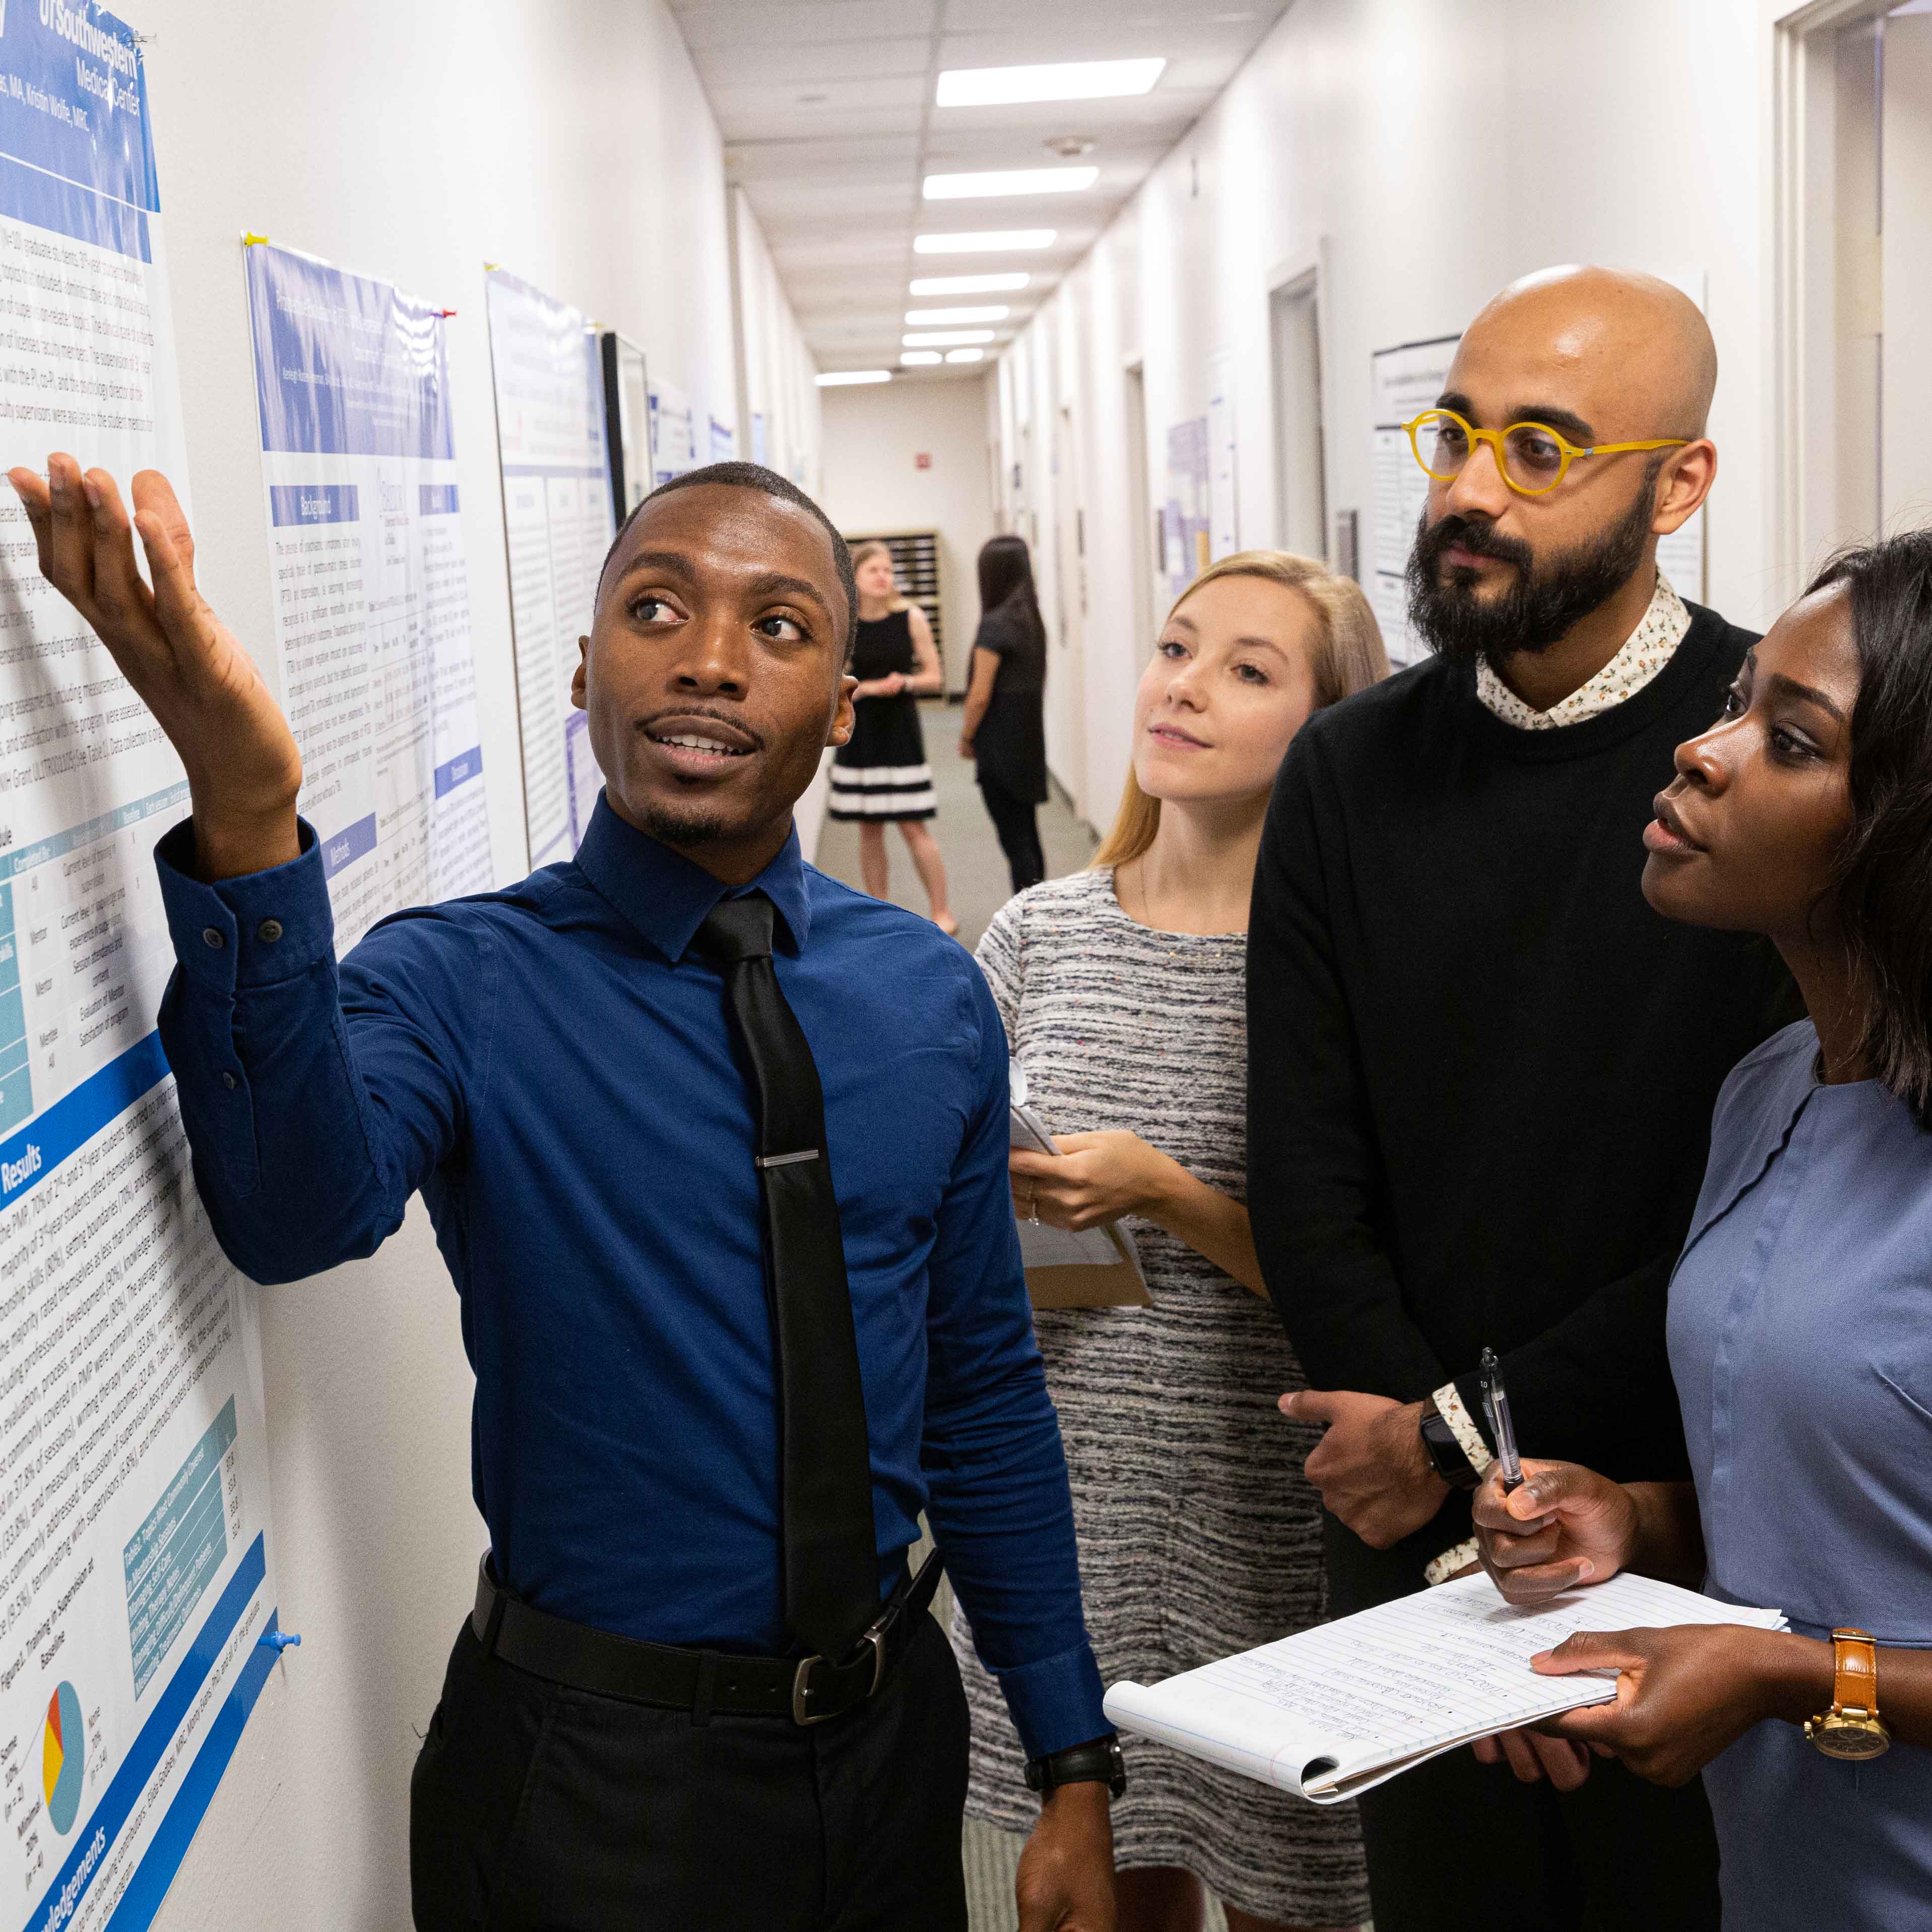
(63, 1751)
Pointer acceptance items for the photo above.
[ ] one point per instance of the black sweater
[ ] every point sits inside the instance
(1481, 1069)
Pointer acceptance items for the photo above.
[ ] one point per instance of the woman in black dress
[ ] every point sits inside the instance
(880, 776)
(1004, 729)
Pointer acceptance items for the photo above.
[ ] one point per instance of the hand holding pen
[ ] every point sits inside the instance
(1495, 1399)
(1547, 1528)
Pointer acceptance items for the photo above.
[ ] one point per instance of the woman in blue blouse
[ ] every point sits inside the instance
(1801, 1311)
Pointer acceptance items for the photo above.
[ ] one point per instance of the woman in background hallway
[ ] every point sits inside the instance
(881, 777)
(1123, 989)
(1004, 729)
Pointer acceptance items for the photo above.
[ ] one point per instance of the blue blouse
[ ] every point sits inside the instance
(1801, 1339)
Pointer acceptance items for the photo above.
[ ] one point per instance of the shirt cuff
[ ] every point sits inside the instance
(1056, 1702)
(1463, 1425)
(1452, 1562)
(252, 931)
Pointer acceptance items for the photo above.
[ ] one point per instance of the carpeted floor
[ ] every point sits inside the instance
(978, 884)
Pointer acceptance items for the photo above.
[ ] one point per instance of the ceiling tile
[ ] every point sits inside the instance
(830, 163)
(823, 23)
(782, 64)
(826, 109)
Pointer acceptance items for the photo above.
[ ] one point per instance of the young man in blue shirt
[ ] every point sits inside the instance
(712, 1396)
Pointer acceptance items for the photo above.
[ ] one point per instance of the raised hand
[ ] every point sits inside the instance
(1565, 1526)
(244, 770)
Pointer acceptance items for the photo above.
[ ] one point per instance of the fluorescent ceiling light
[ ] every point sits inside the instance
(920, 358)
(945, 338)
(964, 355)
(970, 285)
(946, 318)
(837, 379)
(1009, 180)
(1057, 80)
(986, 241)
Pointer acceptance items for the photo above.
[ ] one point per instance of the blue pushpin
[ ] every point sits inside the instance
(278, 1640)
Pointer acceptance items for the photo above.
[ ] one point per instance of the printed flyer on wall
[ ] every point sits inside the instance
(674, 431)
(136, 1573)
(1405, 381)
(558, 524)
(371, 595)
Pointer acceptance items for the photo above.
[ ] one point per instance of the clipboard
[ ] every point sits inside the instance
(1099, 1268)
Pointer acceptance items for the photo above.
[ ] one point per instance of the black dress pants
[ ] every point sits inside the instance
(537, 1809)
(1455, 1845)
(1013, 820)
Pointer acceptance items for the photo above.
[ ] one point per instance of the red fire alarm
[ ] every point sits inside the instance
(923, 461)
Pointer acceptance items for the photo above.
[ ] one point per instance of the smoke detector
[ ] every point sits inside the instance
(1070, 147)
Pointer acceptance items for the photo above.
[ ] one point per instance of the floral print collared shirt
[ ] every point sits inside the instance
(1645, 652)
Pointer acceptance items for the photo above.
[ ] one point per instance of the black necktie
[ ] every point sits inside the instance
(825, 1493)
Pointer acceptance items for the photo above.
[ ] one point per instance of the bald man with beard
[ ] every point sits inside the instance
(1482, 1069)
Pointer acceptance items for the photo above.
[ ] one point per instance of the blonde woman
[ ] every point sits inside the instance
(880, 776)
(1123, 989)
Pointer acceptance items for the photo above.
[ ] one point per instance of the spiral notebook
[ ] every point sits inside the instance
(1339, 1709)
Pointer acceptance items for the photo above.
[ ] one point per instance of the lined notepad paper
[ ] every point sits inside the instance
(1337, 1710)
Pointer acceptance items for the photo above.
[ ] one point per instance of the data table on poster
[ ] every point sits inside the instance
(558, 523)
(371, 590)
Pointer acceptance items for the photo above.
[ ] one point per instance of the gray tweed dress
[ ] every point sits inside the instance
(1198, 1534)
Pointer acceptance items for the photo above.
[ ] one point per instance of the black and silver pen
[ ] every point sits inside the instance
(1495, 1399)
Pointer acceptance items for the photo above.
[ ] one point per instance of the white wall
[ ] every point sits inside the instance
(777, 392)
(873, 434)
(1406, 146)
(777, 376)
(569, 141)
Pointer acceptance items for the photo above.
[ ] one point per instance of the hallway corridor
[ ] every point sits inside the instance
(976, 878)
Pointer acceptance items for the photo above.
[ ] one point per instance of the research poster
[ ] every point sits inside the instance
(558, 524)
(1223, 460)
(1406, 380)
(674, 431)
(1185, 514)
(136, 1570)
(371, 595)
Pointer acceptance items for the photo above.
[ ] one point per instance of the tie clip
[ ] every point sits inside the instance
(785, 1159)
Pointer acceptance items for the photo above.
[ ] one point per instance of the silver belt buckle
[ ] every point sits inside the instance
(801, 1682)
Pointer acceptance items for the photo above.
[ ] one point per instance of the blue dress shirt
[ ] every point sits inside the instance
(1800, 1339)
(551, 1066)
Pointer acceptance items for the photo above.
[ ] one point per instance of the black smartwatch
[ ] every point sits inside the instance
(1100, 1762)
(1445, 1453)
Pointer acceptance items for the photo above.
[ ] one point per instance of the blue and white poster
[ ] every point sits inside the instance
(674, 431)
(558, 524)
(371, 593)
(137, 1571)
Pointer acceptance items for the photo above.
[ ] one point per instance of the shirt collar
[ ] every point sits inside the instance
(667, 898)
(1644, 653)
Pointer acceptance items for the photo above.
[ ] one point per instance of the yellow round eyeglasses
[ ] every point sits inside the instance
(1533, 458)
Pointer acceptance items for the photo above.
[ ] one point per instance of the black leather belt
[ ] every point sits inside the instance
(807, 1690)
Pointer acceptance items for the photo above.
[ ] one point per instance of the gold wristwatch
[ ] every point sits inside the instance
(1851, 1728)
